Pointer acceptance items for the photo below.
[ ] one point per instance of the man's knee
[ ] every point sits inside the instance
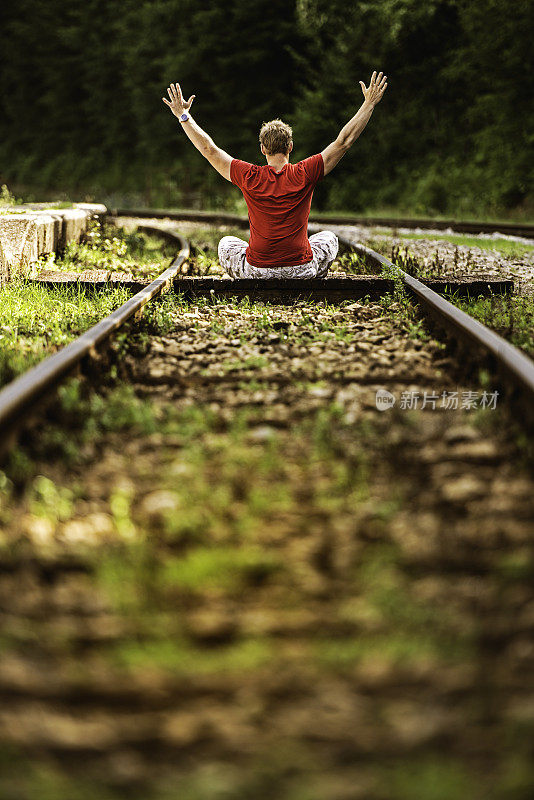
(326, 244)
(222, 248)
(333, 243)
(327, 240)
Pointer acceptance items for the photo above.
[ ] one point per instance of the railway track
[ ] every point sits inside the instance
(525, 230)
(515, 369)
(317, 592)
(35, 386)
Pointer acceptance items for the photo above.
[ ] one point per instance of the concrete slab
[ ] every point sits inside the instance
(95, 209)
(23, 238)
(74, 224)
(33, 230)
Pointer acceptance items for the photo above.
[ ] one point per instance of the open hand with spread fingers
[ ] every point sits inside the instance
(177, 103)
(375, 91)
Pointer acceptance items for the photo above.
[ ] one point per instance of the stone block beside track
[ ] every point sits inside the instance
(30, 231)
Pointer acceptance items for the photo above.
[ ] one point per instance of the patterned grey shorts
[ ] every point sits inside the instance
(324, 247)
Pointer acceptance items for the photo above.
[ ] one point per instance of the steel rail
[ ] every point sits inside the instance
(31, 386)
(525, 229)
(508, 358)
(518, 366)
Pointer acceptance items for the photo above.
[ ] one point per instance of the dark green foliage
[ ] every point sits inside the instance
(451, 134)
(81, 110)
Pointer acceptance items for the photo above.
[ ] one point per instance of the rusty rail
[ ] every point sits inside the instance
(32, 386)
(509, 360)
(523, 229)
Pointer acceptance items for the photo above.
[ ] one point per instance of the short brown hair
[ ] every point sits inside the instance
(276, 137)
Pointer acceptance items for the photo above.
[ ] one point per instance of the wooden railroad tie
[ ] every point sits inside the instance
(334, 289)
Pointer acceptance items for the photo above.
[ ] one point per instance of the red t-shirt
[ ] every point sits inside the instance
(278, 209)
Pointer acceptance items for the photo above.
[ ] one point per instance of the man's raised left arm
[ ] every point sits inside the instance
(218, 158)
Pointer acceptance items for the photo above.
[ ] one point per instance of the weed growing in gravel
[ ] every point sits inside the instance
(353, 264)
(510, 316)
(202, 264)
(218, 567)
(120, 409)
(436, 269)
(430, 778)
(159, 316)
(251, 362)
(48, 500)
(179, 656)
(205, 238)
(85, 418)
(106, 246)
(399, 306)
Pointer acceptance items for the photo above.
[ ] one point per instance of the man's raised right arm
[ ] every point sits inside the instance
(219, 159)
(350, 132)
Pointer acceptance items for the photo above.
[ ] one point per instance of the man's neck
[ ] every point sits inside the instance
(277, 161)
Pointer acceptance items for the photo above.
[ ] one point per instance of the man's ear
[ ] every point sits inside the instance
(262, 148)
(290, 147)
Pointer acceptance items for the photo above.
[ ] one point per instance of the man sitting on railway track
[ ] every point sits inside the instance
(278, 195)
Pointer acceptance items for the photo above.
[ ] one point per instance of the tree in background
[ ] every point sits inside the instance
(82, 86)
(496, 62)
(411, 43)
(455, 130)
(80, 106)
